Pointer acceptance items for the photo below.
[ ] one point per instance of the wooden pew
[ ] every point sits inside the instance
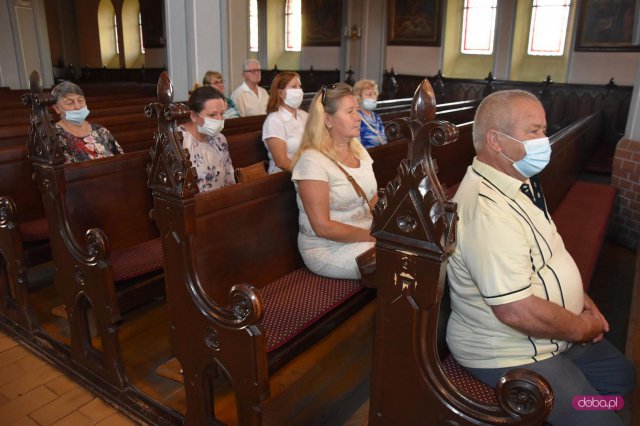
(23, 235)
(211, 238)
(104, 245)
(580, 210)
(23, 228)
(426, 385)
(414, 226)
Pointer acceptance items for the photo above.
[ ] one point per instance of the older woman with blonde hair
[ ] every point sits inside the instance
(371, 127)
(282, 129)
(335, 184)
(215, 79)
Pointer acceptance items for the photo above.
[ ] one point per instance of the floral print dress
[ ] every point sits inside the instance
(211, 160)
(98, 143)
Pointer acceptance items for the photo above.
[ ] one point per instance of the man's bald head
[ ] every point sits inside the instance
(497, 111)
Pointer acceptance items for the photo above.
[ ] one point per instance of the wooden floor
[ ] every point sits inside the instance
(327, 385)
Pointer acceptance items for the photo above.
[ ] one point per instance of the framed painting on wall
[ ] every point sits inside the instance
(415, 22)
(321, 22)
(606, 25)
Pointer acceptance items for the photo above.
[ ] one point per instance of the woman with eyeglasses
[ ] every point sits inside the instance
(371, 127)
(336, 187)
(207, 147)
(214, 78)
(282, 129)
(81, 140)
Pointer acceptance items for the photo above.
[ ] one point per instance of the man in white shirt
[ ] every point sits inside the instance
(249, 97)
(517, 297)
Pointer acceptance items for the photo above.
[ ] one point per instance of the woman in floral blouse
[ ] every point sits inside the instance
(207, 147)
(82, 140)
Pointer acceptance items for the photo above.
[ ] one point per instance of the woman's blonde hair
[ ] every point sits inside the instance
(210, 75)
(279, 82)
(316, 135)
(363, 85)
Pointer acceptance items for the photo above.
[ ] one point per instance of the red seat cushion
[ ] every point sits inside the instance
(35, 230)
(466, 383)
(581, 219)
(299, 299)
(137, 260)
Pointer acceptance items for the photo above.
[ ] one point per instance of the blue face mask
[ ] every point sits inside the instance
(76, 116)
(369, 104)
(537, 157)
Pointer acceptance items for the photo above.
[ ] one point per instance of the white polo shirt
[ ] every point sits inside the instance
(283, 125)
(247, 102)
(506, 250)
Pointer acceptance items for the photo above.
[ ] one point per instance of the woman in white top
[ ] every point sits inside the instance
(283, 127)
(335, 219)
(207, 147)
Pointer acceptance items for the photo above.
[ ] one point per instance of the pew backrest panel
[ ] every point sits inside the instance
(256, 229)
(111, 194)
(17, 182)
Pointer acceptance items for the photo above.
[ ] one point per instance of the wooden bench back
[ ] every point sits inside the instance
(571, 147)
(247, 234)
(111, 194)
(17, 182)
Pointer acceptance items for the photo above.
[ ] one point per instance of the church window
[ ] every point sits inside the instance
(292, 22)
(549, 19)
(478, 26)
(253, 25)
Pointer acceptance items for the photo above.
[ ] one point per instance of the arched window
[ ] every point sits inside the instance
(140, 31)
(108, 31)
(549, 19)
(292, 26)
(253, 25)
(132, 34)
(478, 27)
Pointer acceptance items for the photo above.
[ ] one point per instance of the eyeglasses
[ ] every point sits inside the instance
(325, 88)
(254, 71)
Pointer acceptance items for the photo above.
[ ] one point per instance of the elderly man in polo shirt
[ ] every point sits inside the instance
(250, 99)
(516, 294)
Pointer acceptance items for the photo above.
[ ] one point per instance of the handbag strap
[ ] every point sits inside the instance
(353, 182)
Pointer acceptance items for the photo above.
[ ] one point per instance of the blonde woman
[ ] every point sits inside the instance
(283, 127)
(215, 79)
(371, 127)
(335, 215)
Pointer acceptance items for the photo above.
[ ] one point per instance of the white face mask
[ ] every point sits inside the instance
(211, 126)
(538, 154)
(293, 97)
(369, 104)
(76, 116)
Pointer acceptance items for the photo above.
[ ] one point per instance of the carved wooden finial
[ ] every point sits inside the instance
(43, 144)
(413, 210)
(164, 89)
(35, 82)
(423, 106)
(170, 171)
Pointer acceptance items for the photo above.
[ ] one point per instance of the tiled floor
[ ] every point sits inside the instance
(34, 393)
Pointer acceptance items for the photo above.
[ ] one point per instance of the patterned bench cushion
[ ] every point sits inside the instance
(35, 230)
(137, 260)
(466, 383)
(297, 300)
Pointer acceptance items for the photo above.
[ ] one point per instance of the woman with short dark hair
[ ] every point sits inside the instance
(208, 149)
